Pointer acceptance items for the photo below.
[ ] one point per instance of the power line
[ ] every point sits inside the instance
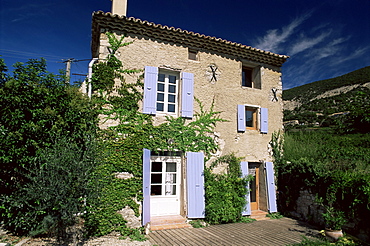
(27, 54)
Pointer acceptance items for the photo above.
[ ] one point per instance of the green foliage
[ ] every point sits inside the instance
(334, 167)
(246, 220)
(343, 241)
(123, 143)
(276, 215)
(198, 223)
(106, 72)
(347, 112)
(58, 184)
(47, 132)
(225, 192)
(334, 219)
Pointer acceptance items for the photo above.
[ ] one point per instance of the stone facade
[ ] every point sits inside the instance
(226, 92)
(217, 68)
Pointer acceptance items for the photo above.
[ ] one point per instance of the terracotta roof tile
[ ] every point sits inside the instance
(102, 22)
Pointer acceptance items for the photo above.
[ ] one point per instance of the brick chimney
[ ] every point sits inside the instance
(119, 7)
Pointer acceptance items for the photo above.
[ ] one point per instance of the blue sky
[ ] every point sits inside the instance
(324, 38)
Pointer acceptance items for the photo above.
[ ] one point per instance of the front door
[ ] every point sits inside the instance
(253, 185)
(165, 177)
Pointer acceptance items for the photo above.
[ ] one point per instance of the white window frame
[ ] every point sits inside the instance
(166, 92)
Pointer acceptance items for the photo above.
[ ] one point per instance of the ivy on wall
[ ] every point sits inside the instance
(123, 143)
(225, 192)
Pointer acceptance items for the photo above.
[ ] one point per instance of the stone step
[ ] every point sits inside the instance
(168, 222)
(259, 215)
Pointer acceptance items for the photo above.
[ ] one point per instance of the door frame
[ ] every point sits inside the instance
(254, 170)
(155, 207)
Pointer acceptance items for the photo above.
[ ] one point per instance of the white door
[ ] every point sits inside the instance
(165, 177)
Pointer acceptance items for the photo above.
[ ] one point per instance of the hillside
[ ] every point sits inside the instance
(341, 102)
(309, 91)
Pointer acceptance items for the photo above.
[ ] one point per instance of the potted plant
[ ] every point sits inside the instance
(334, 221)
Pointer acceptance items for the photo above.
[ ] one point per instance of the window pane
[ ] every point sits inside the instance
(253, 187)
(161, 77)
(171, 108)
(156, 178)
(249, 118)
(160, 97)
(156, 166)
(247, 77)
(172, 88)
(172, 79)
(171, 166)
(170, 178)
(170, 190)
(156, 190)
(171, 98)
(160, 106)
(160, 87)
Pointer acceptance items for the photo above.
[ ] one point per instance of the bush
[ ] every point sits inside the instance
(58, 184)
(225, 193)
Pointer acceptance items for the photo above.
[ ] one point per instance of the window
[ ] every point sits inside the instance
(251, 77)
(251, 118)
(162, 92)
(163, 178)
(192, 54)
(167, 92)
(247, 77)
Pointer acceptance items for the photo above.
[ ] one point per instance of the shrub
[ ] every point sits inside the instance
(225, 193)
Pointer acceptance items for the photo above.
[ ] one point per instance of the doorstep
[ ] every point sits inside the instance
(168, 222)
(259, 215)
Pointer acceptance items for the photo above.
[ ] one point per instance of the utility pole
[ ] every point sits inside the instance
(68, 69)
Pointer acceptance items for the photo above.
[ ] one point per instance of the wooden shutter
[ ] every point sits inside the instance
(150, 90)
(146, 187)
(195, 184)
(264, 120)
(187, 95)
(245, 172)
(271, 190)
(241, 118)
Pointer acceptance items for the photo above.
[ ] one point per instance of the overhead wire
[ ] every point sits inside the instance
(25, 54)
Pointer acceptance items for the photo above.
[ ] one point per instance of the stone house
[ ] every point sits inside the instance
(243, 82)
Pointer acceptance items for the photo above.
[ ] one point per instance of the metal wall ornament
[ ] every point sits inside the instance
(213, 73)
(274, 97)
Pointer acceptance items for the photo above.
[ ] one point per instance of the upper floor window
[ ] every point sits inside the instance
(251, 77)
(251, 118)
(192, 54)
(167, 92)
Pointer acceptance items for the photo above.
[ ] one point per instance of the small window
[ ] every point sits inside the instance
(251, 77)
(247, 77)
(251, 118)
(192, 55)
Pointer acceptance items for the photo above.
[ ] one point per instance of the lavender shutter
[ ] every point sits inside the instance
(271, 187)
(264, 120)
(195, 184)
(187, 95)
(241, 118)
(245, 172)
(150, 90)
(146, 186)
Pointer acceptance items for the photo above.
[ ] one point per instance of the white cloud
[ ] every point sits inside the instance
(307, 43)
(272, 40)
(355, 54)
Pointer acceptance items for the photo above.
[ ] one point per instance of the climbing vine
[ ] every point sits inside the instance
(123, 143)
(225, 192)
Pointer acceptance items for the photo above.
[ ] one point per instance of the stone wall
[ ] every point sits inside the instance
(226, 92)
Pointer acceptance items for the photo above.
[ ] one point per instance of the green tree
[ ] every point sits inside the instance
(47, 129)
